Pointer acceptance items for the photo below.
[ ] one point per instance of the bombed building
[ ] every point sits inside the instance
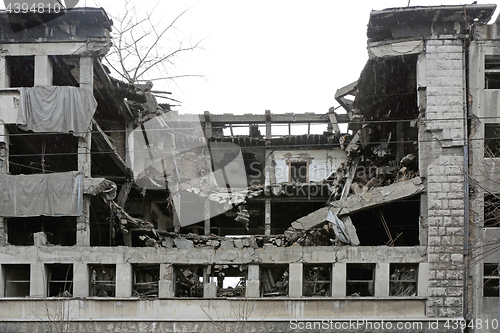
(119, 214)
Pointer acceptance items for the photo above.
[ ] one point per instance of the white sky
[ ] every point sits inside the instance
(278, 55)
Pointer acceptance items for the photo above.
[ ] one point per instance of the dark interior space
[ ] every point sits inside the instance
(284, 213)
(490, 280)
(21, 71)
(317, 280)
(64, 70)
(102, 280)
(399, 219)
(146, 279)
(360, 280)
(103, 225)
(491, 72)
(32, 153)
(188, 281)
(60, 277)
(491, 210)
(491, 140)
(17, 280)
(59, 230)
(274, 280)
(403, 280)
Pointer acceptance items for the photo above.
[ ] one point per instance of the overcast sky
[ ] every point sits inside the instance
(278, 55)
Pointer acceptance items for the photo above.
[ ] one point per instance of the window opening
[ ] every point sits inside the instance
(60, 277)
(17, 280)
(360, 280)
(490, 280)
(317, 280)
(188, 281)
(403, 280)
(146, 279)
(102, 280)
(274, 280)
(299, 172)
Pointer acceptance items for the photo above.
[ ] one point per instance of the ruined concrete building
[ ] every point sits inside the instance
(118, 214)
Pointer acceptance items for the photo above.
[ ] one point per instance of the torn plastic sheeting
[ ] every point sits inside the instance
(338, 228)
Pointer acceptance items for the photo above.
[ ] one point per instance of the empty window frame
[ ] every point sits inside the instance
(403, 280)
(66, 70)
(59, 230)
(17, 280)
(490, 280)
(146, 279)
(60, 280)
(317, 280)
(102, 280)
(491, 210)
(274, 280)
(492, 72)
(299, 172)
(231, 280)
(491, 140)
(360, 280)
(21, 70)
(188, 281)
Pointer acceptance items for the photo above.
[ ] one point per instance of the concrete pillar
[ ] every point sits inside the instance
(81, 283)
(2, 281)
(253, 281)
(295, 281)
(43, 70)
(423, 279)
(207, 217)
(123, 280)
(166, 283)
(83, 224)
(267, 218)
(269, 170)
(87, 73)
(4, 73)
(4, 169)
(382, 275)
(209, 287)
(339, 274)
(38, 280)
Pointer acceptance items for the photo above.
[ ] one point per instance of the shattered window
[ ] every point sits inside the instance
(188, 281)
(491, 210)
(274, 280)
(102, 280)
(403, 280)
(230, 279)
(491, 280)
(317, 280)
(299, 172)
(360, 280)
(60, 277)
(17, 280)
(146, 279)
(492, 140)
(492, 72)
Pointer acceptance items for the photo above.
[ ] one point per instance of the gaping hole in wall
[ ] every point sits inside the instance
(490, 280)
(57, 230)
(102, 280)
(491, 140)
(299, 172)
(17, 280)
(394, 224)
(317, 280)
(66, 71)
(274, 280)
(230, 279)
(403, 280)
(491, 210)
(360, 280)
(188, 281)
(21, 71)
(254, 167)
(492, 72)
(60, 280)
(104, 225)
(284, 213)
(31, 153)
(146, 279)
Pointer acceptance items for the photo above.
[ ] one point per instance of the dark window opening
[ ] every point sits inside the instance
(490, 280)
(299, 172)
(283, 214)
(17, 280)
(21, 71)
(231, 280)
(245, 219)
(491, 140)
(60, 278)
(104, 226)
(403, 280)
(492, 72)
(254, 167)
(146, 279)
(491, 210)
(274, 280)
(102, 280)
(66, 71)
(394, 224)
(58, 230)
(188, 281)
(317, 280)
(360, 280)
(31, 153)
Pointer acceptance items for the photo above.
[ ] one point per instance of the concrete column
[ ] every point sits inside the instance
(269, 170)
(295, 281)
(207, 217)
(4, 73)
(382, 275)
(87, 73)
(339, 274)
(83, 224)
(267, 218)
(123, 280)
(4, 169)
(209, 287)
(43, 70)
(81, 283)
(38, 280)
(2, 282)
(253, 281)
(166, 283)
(423, 279)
